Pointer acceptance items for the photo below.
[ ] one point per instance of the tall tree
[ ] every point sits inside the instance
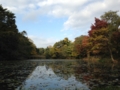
(113, 20)
(97, 34)
(13, 45)
(8, 35)
(102, 32)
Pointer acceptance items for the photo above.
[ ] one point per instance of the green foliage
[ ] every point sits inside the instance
(41, 51)
(26, 47)
(113, 20)
(8, 35)
(61, 49)
(13, 45)
(111, 17)
(48, 52)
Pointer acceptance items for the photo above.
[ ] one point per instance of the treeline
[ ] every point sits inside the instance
(103, 40)
(14, 45)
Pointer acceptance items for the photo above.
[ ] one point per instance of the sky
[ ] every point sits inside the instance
(49, 21)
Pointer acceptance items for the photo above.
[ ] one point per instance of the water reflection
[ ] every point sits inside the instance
(58, 75)
(44, 78)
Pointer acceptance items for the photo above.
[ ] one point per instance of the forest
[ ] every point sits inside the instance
(102, 41)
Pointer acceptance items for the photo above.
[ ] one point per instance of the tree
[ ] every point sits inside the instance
(26, 47)
(8, 35)
(97, 25)
(61, 49)
(24, 33)
(113, 20)
(116, 43)
(81, 46)
(41, 51)
(47, 53)
(102, 32)
(13, 45)
(99, 37)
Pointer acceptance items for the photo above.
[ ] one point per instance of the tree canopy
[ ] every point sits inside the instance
(103, 39)
(13, 44)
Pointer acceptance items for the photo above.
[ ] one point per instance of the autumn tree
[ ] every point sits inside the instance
(98, 36)
(81, 46)
(102, 32)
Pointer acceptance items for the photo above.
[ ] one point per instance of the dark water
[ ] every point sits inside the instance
(57, 75)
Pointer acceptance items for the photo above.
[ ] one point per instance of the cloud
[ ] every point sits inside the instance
(78, 12)
(80, 18)
(61, 2)
(31, 16)
(60, 8)
(32, 6)
(42, 42)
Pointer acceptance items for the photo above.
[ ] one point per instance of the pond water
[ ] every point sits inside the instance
(57, 75)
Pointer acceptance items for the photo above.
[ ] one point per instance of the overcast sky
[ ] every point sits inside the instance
(48, 21)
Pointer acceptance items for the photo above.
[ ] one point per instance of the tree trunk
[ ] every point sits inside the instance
(88, 55)
(111, 55)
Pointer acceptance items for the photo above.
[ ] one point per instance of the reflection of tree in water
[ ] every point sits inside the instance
(13, 73)
(53, 75)
(98, 75)
(63, 69)
(95, 75)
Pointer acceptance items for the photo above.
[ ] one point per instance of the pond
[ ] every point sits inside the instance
(57, 74)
